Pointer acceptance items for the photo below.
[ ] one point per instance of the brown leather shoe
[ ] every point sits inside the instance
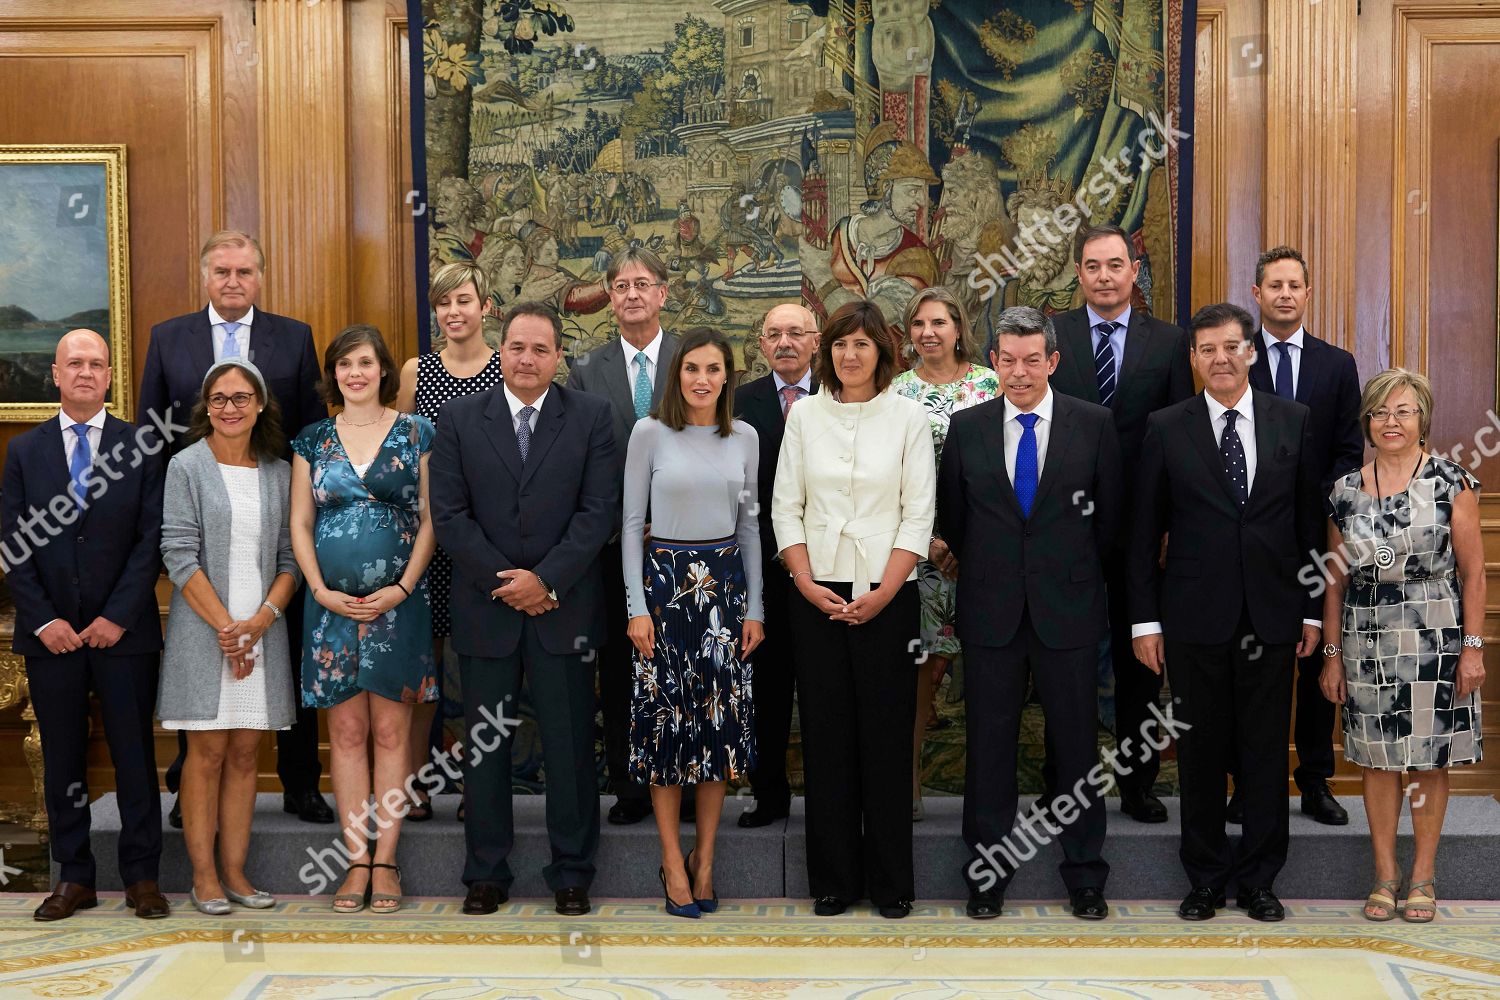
(147, 899)
(67, 897)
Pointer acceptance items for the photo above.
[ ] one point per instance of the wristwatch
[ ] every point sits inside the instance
(1329, 649)
(275, 611)
(551, 594)
(1474, 641)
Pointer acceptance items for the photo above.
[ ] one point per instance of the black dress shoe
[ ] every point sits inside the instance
(1234, 812)
(763, 815)
(483, 898)
(895, 911)
(984, 905)
(829, 906)
(1143, 807)
(1088, 903)
(308, 806)
(573, 901)
(1319, 803)
(175, 816)
(627, 811)
(1260, 904)
(1201, 904)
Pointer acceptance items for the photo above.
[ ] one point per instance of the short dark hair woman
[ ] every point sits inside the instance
(694, 597)
(853, 511)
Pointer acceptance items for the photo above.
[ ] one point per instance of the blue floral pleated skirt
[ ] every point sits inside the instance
(692, 716)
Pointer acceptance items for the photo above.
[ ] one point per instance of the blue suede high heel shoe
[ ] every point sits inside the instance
(690, 910)
(704, 905)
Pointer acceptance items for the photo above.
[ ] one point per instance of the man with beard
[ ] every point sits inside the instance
(788, 339)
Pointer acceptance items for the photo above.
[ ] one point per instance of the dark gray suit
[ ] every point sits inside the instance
(551, 514)
(602, 372)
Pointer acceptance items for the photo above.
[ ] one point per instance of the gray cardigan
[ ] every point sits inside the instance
(195, 533)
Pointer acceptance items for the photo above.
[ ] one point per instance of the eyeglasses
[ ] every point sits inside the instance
(240, 400)
(1233, 349)
(775, 335)
(1401, 413)
(640, 284)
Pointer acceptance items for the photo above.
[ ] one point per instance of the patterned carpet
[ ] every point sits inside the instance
(766, 950)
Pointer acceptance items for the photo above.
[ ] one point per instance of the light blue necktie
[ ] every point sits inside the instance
(1026, 462)
(523, 431)
(78, 468)
(1284, 373)
(642, 386)
(231, 343)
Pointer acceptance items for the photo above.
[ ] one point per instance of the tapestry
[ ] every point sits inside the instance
(822, 151)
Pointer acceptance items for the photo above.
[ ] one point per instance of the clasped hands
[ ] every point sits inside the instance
(856, 612)
(361, 609)
(237, 641)
(59, 636)
(523, 591)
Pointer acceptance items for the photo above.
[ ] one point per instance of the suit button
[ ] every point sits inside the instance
(1027, 533)
(80, 539)
(1244, 522)
(844, 490)
(75, 580)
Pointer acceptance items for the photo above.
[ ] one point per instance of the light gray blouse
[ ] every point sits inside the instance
(195, 531)
(698, 486)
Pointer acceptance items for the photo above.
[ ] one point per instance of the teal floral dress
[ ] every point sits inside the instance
(365, 530)
(936, 591)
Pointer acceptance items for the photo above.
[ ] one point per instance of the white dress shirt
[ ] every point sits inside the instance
(70, 445)
(653, 350)
(241, 336)
(1116, 339)
(1244, 425)
(855, 481)
(1273, 354)
(516, 406)
(1014, 430)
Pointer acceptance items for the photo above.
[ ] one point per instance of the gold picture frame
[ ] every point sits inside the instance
(64, 263)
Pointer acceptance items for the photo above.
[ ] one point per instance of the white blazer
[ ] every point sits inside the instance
(853, 482)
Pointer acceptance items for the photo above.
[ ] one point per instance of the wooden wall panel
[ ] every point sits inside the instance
(1210, 157)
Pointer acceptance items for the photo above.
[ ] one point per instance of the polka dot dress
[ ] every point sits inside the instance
(435, 386)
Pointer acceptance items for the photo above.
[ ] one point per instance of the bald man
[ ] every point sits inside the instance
(80, 534)
(788, 339)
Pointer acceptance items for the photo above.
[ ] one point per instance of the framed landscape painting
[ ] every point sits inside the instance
(64, 264)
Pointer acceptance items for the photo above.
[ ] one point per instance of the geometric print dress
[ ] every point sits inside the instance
(1403, 625)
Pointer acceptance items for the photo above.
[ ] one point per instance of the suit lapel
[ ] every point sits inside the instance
(1201, 433)
(1260, 372)
(612, 357)
(766, 404)
(1058, 437)
(501, 432)
(54, 458)
(665, 355)
(1267, 433)
(549, 423)
(1078, 347)
(993, 433)
(200, 349)
(110, 434)
(1136, 336)
(1309, 370)
(263, 338)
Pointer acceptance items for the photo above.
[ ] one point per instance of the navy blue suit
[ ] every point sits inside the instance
(182, 351)
(180, 354)
(103, 562)
(1328, 385)
(551, 514)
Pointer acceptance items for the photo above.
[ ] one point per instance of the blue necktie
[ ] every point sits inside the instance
(78, 468)
(1232, 449)
(523, 431)
(231, 343)
(1026, 462)
(1104, 363)
(642, 386)
(1284, 373)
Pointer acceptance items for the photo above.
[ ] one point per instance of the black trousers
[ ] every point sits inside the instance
(1137, 689)
(1313, 730)
(775, 683)
(995, 692)
(1236, 697)
(126, 687)
(562, 693)
(616, 679)
(858, 695)
(297, 762)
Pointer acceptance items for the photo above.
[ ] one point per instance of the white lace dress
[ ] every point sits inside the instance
(242, 703)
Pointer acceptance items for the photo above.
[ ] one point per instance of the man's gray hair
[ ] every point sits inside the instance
(1024, 321)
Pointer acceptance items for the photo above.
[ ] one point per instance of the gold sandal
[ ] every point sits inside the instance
(1376, 900)
(1425, 901)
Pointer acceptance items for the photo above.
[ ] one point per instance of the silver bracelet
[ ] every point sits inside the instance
(1474, 641)
(275, 611)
